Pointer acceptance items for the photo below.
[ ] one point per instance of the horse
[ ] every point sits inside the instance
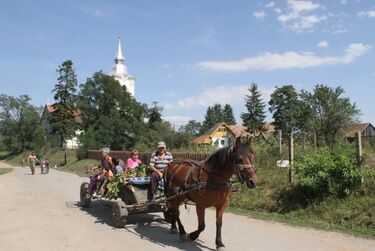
(208, 184)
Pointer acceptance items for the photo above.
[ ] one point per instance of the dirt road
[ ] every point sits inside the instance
(41, 212)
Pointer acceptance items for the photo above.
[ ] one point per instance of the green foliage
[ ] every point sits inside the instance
(192, 128)
(62, 120)
(114, 183)
(217, 114)
(255, 115)
(326, 112)
(113, 186)
(154, 114)
(284, 106)
(228, 116)
(110, 115)
(329, 172)
(19, 123)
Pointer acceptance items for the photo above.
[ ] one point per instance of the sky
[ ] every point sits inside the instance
(187, 55)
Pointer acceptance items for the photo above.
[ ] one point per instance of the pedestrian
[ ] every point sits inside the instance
(32, 159)
(46, 166)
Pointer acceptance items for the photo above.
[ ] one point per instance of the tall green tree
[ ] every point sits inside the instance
(253, 119)
(110, 115)
(284, 106)
(228, 116)
(63, 118)
(20, 123)
(329, 112)
(192, 128)
(154, 114)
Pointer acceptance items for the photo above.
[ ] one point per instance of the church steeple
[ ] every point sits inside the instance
(119, 58)
(120, 71)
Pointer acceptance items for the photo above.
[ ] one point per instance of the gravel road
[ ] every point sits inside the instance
(42, 212)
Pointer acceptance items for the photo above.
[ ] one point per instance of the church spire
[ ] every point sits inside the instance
(119, 58)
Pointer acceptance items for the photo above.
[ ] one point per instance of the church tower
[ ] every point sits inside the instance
(120, 71)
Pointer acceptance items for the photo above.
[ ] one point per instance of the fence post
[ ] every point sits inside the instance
(358, 146)
(315, 142)
(280, 133)
(291, 155)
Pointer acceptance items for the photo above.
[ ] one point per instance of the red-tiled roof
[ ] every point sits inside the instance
(77, 114)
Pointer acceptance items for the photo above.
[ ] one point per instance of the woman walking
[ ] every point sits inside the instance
(32, 159)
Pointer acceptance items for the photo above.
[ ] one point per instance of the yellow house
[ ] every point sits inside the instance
(223, 135)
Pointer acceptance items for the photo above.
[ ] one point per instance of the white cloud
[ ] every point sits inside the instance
(299, 17)
(270, 4)
(369, 13)
(343, 2)
(287, 60)
(260, 14)
(323, 44)
(233, 95)
(277, 10)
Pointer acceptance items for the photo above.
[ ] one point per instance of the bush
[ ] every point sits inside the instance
(329, 172)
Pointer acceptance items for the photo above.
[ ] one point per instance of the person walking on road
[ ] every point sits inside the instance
(32, 159)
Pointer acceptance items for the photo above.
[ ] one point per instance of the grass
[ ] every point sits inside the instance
(55, 157)
(274, 199)
(80, 167)
(5, 170)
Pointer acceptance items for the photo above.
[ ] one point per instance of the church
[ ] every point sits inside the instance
(120, 71)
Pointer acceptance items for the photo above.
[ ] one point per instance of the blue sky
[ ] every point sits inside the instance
(188, 55)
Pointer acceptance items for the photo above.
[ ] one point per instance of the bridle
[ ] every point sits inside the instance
(239, 168)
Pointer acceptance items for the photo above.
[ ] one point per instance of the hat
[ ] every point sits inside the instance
(162, 144)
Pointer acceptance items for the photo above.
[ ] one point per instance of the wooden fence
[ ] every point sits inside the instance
(145, 157)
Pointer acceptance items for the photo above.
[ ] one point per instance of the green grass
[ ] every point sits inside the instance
(5, 170)
(80, 167)
(55, 157)
(275, 199)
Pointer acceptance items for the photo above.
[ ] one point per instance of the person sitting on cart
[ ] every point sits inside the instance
(106, 166)
(158, 163)
(118, 168)
(133, 161)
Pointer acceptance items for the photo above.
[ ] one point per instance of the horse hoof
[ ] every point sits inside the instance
(174, 231)
(184, 237)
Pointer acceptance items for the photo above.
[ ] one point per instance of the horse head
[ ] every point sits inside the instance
(244, 167)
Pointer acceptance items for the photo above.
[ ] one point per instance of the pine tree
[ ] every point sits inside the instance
(228, 116)
(63, 121)
(255, 115)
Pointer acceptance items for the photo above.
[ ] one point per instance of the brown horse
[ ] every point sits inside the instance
(208, 184)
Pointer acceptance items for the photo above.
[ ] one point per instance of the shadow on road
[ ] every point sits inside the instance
(148, 227)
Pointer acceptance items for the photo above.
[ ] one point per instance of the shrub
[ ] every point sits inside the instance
(329, 172)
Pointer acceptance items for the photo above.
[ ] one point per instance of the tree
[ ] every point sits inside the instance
(154, 114)
(284, 106)
(63, 118)
(192, 128)
(20, 123)
(111, 117)
(228, 116)
(253, 119)
(328, 112)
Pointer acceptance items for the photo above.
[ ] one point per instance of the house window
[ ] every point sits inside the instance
(223, 129)
(222, 142)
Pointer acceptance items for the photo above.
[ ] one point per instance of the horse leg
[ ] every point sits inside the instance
(201, 225)
(219, 223)
(175, 209)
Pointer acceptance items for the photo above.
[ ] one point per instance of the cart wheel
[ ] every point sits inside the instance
(119, 214)
(167, 216)
(85, 196)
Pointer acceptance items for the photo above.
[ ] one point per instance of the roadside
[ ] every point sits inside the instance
(41, 212)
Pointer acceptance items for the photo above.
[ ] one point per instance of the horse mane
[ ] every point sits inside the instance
(219, 158)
